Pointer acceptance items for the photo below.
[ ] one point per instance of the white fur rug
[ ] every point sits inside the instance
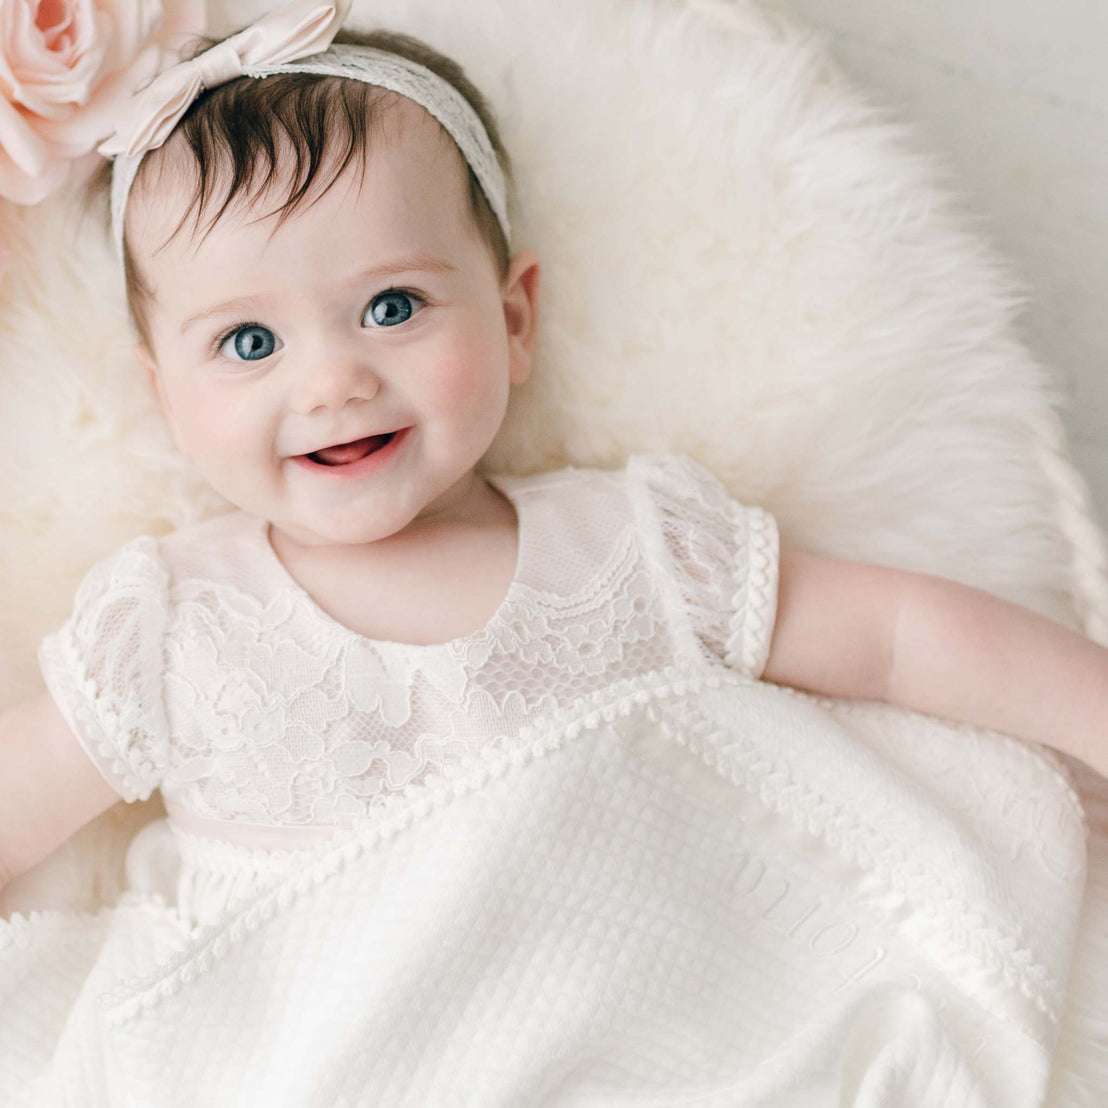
(742, 260)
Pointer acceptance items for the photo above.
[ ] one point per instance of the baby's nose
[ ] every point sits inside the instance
(333, 380)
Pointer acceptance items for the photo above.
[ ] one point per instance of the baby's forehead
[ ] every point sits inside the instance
(165, 196)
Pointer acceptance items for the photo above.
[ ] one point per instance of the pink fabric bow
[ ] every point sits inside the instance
(294, 30)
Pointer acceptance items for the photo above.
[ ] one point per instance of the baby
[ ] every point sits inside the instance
(333, 348)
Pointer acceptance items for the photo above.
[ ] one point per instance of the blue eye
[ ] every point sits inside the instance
(393, 306)
(251, 343)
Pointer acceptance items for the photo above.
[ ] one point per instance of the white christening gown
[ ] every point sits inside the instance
(580, 858)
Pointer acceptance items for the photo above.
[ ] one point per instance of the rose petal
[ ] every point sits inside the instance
(21, 188)
(63, 37)
(47, 85)
(25, 51)
(13, 18)
(184, 20)
(27, 152)
(131, 26)
(96, 120)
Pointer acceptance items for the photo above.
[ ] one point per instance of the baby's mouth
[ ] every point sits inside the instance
(344, 453)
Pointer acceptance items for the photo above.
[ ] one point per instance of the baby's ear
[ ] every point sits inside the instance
(521, 296)
(146, 360)
(150, 366)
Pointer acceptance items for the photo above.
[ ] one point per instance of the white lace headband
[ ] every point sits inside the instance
(293, 38)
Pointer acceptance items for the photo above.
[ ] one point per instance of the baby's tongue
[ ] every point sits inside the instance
(351, 451)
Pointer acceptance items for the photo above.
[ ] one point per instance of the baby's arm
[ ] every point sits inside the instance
(49, 787)
(938, 647)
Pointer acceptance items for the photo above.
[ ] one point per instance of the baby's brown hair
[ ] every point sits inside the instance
(239, 123)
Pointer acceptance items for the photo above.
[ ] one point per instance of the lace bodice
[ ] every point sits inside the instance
(195, 663)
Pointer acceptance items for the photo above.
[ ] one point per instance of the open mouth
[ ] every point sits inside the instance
(348, 452)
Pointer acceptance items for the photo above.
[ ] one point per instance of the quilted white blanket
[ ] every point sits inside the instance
(712, 892)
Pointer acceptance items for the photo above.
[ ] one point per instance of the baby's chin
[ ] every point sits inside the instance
(400, 513)
(346, 529)
(312, 511)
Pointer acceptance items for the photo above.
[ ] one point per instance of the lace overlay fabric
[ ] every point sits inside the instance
(104, 667)
(195, 663)
(720, 556)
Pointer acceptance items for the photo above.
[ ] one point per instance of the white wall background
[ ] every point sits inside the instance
(1013, 95)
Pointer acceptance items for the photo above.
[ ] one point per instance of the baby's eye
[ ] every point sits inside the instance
(250, 343)
(393, 306)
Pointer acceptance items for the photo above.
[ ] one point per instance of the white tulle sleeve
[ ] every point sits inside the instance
(104, 667)
(721, 557)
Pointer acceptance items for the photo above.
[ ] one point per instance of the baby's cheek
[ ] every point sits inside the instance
(455, 383)
(205, 425)
(465, 381)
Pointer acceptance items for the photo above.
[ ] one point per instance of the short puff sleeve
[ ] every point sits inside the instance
(104, 667)
(721, 558)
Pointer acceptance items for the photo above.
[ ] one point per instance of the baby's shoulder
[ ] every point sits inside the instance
(593, 506)
(144, 570)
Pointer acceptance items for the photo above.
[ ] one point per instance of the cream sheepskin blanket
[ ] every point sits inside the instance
(743, 260)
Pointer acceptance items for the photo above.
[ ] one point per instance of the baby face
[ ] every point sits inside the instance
(374, 311)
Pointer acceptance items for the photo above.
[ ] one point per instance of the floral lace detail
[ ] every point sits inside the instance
(103, 667)
(722, 555)
(279, 715)
(585, 633)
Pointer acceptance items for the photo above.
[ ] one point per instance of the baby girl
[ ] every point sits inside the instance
(319, 275)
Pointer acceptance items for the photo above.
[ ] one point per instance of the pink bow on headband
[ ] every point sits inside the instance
(287, 33)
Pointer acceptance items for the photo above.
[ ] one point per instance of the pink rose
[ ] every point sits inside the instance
(65, 66)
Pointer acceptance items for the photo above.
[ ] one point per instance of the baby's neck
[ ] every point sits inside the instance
(440, 578)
